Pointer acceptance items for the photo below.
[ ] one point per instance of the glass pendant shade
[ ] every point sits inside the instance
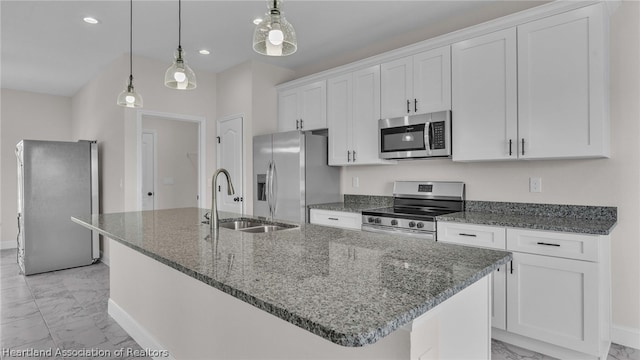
(129, 97)
(275, 36)
(179, 75)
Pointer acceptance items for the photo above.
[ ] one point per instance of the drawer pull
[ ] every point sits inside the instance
(470, 235)
(334, 219)
(548, 244)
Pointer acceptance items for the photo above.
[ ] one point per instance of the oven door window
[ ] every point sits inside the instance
(404, 138)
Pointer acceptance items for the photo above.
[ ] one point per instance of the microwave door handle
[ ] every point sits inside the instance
(427, 132)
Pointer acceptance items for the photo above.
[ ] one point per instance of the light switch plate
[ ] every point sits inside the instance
(355, 182)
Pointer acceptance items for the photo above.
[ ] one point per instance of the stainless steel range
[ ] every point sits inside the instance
(415, 207)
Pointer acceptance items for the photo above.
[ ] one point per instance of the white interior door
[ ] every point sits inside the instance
(148, 170)
(230, 158)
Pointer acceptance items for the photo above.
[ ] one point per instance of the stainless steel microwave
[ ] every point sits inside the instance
(415, 136)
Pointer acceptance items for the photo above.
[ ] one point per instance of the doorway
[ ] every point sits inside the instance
(230, 157)
(148, 169)
(171, 161)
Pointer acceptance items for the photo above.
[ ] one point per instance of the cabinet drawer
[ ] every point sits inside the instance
(340, 219)
(473, 235)
(565, 245)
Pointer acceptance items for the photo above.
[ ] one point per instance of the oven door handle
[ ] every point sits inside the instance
(427, 132)
(391, 231)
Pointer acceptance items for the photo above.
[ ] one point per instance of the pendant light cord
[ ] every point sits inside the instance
(130, 40)
(180, 23)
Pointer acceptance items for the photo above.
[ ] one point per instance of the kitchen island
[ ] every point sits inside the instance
(305, 292)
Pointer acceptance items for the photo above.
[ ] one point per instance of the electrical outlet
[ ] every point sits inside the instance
(535, 184)
(355, 182)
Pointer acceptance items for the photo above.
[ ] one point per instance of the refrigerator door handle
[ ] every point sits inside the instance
(274, 189)
(268, 186)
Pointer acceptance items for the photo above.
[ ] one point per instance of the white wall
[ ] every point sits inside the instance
(32, 116)
(177, 162)
(96, 115)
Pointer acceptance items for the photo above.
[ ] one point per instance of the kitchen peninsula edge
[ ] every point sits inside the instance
(349, 287)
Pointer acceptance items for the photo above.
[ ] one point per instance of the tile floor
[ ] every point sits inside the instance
(67, 310)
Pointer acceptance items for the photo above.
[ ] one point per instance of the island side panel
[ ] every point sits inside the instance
(160, 306)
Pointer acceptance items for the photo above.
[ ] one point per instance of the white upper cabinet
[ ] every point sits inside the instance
(303, 108)
(353, 110)
(541, 97)
(417, 84)
(484, 84)
(562, 72)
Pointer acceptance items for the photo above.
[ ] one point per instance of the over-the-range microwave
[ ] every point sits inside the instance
(415, 136)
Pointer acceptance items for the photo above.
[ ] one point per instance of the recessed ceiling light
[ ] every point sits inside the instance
(257, 21)
(204, 52)
(91, 20)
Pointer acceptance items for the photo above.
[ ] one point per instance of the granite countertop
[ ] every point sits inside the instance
(343, 206)
(581, 219)
(356, 203)
(349, 287)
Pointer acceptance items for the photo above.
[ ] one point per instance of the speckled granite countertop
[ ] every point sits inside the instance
(356, 203)
(594, 220)
(349, 287)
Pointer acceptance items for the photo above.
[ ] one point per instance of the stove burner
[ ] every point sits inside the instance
(414, 211)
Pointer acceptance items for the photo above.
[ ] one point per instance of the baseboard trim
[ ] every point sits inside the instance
(626, 336)
(8, 245)
(135, 330)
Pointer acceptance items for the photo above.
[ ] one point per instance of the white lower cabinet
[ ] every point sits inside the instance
(555, 296)
(339, 219)
(554, 300)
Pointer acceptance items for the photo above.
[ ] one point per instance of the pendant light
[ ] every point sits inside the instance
(179, 75)
(129, 97)
(274, 36)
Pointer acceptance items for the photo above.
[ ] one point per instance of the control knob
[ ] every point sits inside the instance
(412, 224)
(394, 222)
(369, 219)
(378, 220)
(420, 225)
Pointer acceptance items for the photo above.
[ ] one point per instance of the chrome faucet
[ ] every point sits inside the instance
(214, 206)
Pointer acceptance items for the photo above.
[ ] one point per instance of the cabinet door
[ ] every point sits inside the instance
(561, 86)
(484, 102)
(287, 110)
(397, 88)
(499, 298)
(366, 113)
(432, 81)
(339, 118)
(554, 300)
(313, 106)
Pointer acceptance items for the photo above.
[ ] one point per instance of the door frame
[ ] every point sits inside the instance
(244, 160)
(202, 147)
(155, 165)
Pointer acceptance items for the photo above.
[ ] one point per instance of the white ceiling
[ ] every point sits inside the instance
(47, 48)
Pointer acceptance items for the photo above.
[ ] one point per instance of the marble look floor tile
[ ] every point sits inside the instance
(24, 331)
(47, 346)
(11, 282)
(19, 293)
(619, 352)
(81, 334)
(18, 310)
(9, 270)
(504, 351)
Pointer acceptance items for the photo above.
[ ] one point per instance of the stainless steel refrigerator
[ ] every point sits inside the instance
(56, 180)
(290, 171)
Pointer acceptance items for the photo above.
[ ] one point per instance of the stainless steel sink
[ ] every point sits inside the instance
(253, 226)
(239, 224)
(265, 228)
